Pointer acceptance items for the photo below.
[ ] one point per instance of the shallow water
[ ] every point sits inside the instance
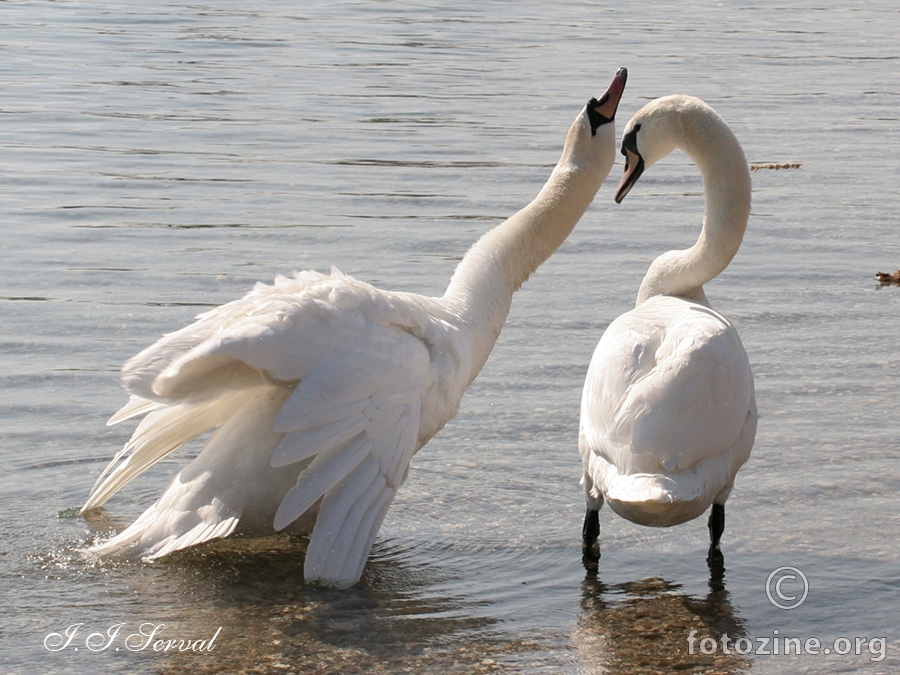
(160, 159)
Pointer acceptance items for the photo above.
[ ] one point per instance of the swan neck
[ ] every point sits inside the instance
(481, 289)
(726, 186)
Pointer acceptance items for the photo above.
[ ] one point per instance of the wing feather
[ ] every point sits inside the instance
(135, 407)
(399, 445)
(352, 512)
(372, 518)
(330, 538)
(157, 435)
(317, 413)
(326, 470)
(300, 445)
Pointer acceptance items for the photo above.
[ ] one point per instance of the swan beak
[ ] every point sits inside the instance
(603, 111)
(634, 167)
(613, 94)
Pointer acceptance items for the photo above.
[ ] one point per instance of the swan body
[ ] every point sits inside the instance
(668, 411)
(320, 388)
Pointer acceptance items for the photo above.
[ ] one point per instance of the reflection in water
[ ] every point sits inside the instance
(643, 626)
(250, 593)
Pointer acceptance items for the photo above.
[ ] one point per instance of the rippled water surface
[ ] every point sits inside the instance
(159, 158)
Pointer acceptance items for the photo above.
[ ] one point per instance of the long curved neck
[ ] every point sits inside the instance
(726, 183)
(481, 289)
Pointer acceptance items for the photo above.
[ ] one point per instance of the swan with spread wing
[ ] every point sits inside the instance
(320, 388)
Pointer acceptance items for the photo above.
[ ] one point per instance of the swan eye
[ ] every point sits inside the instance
(595, 117)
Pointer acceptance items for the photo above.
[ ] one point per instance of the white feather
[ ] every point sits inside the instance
(300, 445)
(326, 470)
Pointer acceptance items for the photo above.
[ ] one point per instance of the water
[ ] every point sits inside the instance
(160, 158)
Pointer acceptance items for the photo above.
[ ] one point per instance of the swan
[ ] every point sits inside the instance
(668, 409)
(320, 388)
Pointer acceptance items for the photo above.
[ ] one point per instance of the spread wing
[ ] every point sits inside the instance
(358, 420)
(354, 368)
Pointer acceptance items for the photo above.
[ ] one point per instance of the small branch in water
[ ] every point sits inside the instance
(888, 279)
(775, 166)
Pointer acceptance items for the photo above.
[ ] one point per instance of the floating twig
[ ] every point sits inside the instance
(888, 278)
(775, 166)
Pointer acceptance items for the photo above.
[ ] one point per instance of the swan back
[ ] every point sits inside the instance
(668, 382)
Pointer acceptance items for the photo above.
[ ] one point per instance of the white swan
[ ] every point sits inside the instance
(668, 410)
(321, 388)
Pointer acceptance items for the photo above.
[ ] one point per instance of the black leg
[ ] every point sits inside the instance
(716, 527)
(590, 533)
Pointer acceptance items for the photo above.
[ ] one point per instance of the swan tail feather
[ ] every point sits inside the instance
(206, 499)
(651, 488)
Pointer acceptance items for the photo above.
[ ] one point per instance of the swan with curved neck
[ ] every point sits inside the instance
(321, 388)
(668, 412)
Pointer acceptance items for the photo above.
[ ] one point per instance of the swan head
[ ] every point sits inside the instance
(655, 131)
(592, 138)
